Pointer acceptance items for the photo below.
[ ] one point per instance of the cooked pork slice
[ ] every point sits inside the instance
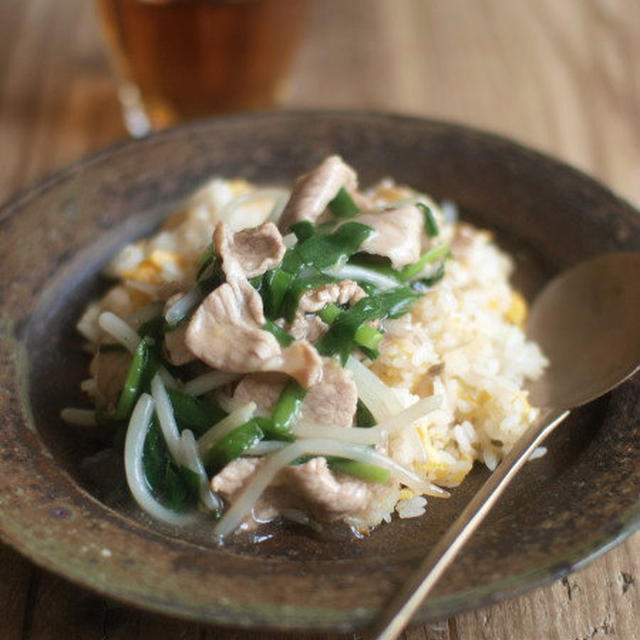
(230, 480)
(175, 347)
(109, 369)
(313, 191)
(314, 489)
(262, 388)
(311, 327)
(307, 327)
(257, 250)
(343, 292)
(398, 234)
(225, 332)
(331, 401)
(223, 247)
(310, 487)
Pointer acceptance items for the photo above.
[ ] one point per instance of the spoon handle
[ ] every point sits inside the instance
(405, 603)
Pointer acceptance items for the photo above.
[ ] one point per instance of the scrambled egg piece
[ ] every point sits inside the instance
(517, 312)
(158, 267)
(442, 474)
(405, 494)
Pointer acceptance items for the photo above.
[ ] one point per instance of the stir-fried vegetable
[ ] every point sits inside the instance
(275, 285)
(147, 479)
(341, 434)
(365, 335)
(166, 417)
(303, 230)
(368, 276)
(209, 277)
(107, 347)
(324, 250)
(363, 268)
(364, 417)
(380, 400)
(315, 252)
(169, 471)
(343, 206)
(288, 406)
(412, 270)
(142, 368)
(239, 509)
(297, 289)
(221, 429)
(341, 337)
(119, 330)
(182, 307)
(193, 468)
(197, 414)
(362, 470)
(426, 283)
(154, 328)
(284, 338)
(208, 382)
(169, 483)
(233, 445)
(430, 224)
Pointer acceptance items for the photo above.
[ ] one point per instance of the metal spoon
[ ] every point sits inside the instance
(587, 322)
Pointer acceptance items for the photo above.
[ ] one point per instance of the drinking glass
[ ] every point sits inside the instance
(182, 59)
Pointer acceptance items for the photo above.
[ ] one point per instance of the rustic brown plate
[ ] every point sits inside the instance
(563, 510)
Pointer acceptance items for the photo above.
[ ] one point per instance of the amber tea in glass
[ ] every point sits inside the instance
(182, 59)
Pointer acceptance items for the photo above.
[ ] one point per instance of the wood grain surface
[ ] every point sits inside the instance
(562, 76)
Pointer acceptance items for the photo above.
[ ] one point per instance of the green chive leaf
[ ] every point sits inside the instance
(343, 206)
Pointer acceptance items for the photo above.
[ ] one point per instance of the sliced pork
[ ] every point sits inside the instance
(310, 487)
(262, 388)
(314, 489)
(307, 327)
(398, 234)
(175, 346)
(230, 480)
(343, 292)
(331, 401)
(313, 191)
(226, 332)
(257, 250)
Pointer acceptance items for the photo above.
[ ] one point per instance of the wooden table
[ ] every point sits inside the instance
(560, 75)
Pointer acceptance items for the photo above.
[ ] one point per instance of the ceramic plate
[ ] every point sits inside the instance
(563, 510)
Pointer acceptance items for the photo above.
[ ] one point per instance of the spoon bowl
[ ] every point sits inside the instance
(586, 321)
